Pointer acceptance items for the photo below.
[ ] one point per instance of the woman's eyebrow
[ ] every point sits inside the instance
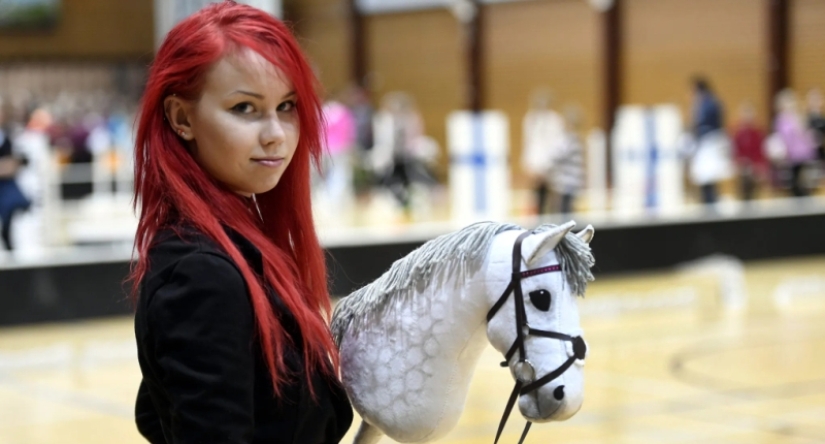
(256, 95)
(289, 94)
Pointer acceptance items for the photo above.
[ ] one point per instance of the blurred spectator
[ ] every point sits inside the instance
(750, 159)
(709, 163)
(543, 139)
(567, 172)
(33, 143)
(799, 144)
(816, 121)
(337, 168)
(359, 104)
(403, 155)
(11, 198)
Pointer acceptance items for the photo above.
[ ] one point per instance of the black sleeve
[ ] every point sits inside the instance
(146, 417)
(202, 328)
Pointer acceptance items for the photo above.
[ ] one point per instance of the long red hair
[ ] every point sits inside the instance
(172, 189)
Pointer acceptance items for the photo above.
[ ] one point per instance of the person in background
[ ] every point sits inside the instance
(816, 123)
(357, 100)
(33, 144)
(543, 138)
(340, 133)
(800, 147)
(748, 140)
(403, 155)
(12, 199)
(230, 284)
(709, 163)
(567, 172)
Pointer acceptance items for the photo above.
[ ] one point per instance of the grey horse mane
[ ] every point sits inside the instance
(458, 254)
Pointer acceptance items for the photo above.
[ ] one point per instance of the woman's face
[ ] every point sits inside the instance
(243, 130)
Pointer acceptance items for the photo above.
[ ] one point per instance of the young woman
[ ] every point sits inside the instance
(230, 284)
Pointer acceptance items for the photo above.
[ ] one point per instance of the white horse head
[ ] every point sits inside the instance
(410, 341)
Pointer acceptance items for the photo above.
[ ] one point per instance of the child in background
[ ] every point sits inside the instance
(543, 138)
(748, 140)
(568, 165)
(792, 128)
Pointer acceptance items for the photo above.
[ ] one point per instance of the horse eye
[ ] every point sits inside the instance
(540, 299)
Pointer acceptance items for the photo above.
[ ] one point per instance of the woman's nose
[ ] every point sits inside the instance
(272, 132)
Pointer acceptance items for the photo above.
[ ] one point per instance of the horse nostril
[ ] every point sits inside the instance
(558, 393)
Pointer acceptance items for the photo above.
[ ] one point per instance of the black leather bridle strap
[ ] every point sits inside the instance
(550, 334)
(524, 433)
(535, 385)
(500, 302)
(523, 330)
(510, 403)
(579, 352)
(521, 315)
(515, 287)
(533, 332)
(507, 410)
(524, 274)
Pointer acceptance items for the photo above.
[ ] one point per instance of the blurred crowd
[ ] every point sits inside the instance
(785, 157)
(48, 150)
(376, 154)
(73, 146)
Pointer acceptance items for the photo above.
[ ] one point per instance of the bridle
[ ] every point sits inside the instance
(525, 373)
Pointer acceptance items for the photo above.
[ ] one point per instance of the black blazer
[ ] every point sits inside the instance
(204, 377)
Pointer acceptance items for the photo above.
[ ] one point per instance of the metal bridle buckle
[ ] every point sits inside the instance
(524, 371)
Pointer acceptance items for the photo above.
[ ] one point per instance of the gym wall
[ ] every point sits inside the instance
(668, 41)
(88, 29)
(807, 45)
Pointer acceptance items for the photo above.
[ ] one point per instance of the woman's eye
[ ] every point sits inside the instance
(243, 108)
(540, 299)
(287, 106)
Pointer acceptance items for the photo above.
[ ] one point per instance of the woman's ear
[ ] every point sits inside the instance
(178, 112)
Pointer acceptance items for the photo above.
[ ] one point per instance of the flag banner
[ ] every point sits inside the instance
(478, 145)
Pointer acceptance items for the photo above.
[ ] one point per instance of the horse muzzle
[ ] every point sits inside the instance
(551, 403)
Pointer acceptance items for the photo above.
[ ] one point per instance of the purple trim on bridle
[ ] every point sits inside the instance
(538, 271)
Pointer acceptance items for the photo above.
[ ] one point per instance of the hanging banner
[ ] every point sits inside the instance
(479, 149)
(169, 12)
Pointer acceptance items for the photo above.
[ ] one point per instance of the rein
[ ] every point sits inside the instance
(523, 369)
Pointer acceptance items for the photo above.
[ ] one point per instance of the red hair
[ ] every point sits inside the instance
(172, 189)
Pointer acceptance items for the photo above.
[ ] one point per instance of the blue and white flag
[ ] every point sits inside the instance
(478, 145)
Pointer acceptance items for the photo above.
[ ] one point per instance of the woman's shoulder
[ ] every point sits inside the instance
(182, 240)
(185, 250)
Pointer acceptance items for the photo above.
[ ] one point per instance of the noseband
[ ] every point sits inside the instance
(525, 373)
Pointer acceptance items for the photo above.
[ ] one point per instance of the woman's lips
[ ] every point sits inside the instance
(271, 162)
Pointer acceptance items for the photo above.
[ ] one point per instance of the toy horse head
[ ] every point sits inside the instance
(534, 321)
(409, 341)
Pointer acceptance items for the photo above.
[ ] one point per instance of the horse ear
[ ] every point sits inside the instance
(538, 245)
(587, 234)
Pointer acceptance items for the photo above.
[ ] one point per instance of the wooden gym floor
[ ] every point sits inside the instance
(709, 354)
